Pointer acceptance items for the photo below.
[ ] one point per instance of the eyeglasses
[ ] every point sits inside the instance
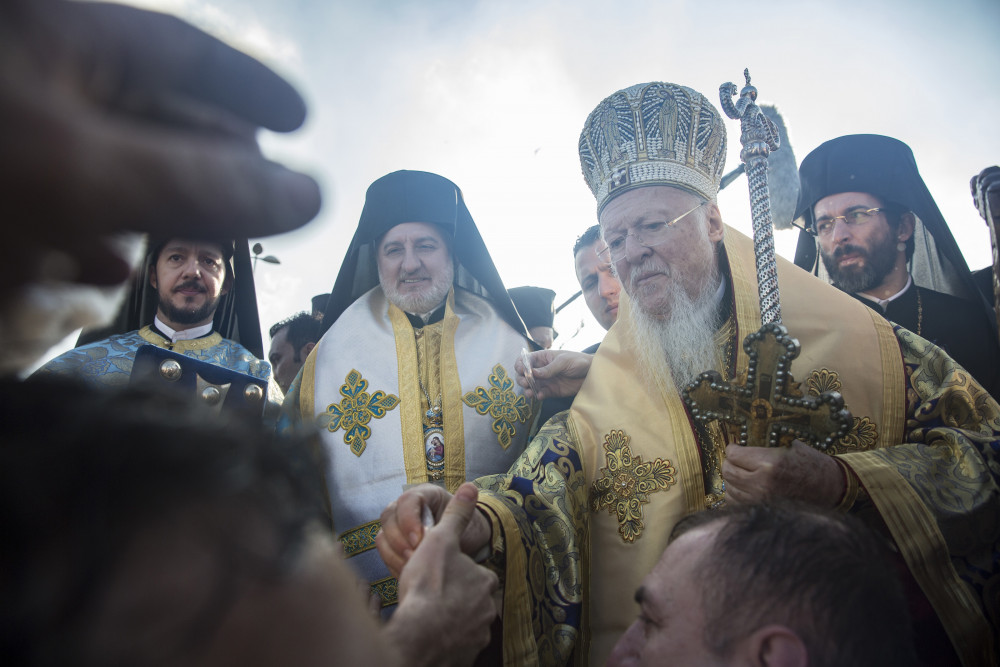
(648, 234)
(824, 226)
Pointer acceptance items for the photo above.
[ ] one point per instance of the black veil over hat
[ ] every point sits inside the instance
(535, 304)
(418, 196)
(884, 167)
(236, 316)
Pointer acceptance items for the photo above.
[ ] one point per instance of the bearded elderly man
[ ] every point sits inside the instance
(411, 381)
(190, 277)
(587, 511)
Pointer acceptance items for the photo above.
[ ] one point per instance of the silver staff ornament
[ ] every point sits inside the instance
(759, 136)
(768, 408)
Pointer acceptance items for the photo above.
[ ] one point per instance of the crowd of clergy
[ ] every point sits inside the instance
(417, 472)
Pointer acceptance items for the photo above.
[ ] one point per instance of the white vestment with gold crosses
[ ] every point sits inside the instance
(360, 386)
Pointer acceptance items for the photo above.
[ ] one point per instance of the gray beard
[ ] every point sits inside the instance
(683, 344)
(424, 302)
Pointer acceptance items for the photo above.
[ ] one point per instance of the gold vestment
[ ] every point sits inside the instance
(585, 512)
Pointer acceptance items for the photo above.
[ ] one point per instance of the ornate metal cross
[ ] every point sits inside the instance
(768, 409)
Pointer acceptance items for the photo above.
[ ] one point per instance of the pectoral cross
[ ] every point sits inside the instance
(769, 410)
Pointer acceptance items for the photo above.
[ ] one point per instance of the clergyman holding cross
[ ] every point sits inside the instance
(596, 493)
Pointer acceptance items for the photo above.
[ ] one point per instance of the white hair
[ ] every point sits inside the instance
(682, 344)
(425, 301)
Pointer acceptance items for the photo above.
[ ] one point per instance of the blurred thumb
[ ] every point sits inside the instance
(458, 512)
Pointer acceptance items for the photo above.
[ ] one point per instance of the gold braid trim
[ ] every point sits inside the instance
(203, 343)
(519, 647)
(360, 539)
(923, 547)
(745, 296)
(410, 411)
(307, 415)
(851, 492)
(387, 589)
(581, 652)
(451, 396)
(893, 382)
(307, 388)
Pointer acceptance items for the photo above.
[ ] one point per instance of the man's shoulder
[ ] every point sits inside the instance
(235, 356)
(125, 343)
(933, 298)
(371, 302)
(112, 355)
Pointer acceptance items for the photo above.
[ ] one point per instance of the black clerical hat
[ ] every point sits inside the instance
(418, 196)
(535, 305)
(886, 168)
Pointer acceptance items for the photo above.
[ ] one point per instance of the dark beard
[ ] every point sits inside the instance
(879, 263)
(186, 315)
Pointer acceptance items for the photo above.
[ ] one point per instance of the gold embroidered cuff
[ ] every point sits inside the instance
(493, 554)
(853, 487)
(360, 538)
(387, 589)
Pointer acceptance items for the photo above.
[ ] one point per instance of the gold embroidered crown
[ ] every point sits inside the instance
(653, 134)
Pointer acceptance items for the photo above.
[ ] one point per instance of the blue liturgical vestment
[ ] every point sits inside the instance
(108, 362)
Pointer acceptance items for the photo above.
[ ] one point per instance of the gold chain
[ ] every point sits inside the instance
(920, 313)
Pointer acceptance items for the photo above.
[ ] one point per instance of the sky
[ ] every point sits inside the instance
(493, 95)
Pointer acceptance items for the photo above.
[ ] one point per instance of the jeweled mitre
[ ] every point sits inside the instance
(653, 134)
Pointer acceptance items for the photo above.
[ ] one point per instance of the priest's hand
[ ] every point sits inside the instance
(114, 118)
(446, 603)
(554, 373)
(798, 472)
(405, 522)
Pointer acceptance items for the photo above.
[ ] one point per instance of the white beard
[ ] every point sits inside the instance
(683, 344)
(421, 302)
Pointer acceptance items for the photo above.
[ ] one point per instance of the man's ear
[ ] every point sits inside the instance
(152, 276)
(906, 225)
(306, 349)
(716, 228)
(227, 284)
(775, 646)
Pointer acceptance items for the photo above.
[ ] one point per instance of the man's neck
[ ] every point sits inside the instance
(188, 332)
(884, 301)
(894, 282)
(430, 317)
